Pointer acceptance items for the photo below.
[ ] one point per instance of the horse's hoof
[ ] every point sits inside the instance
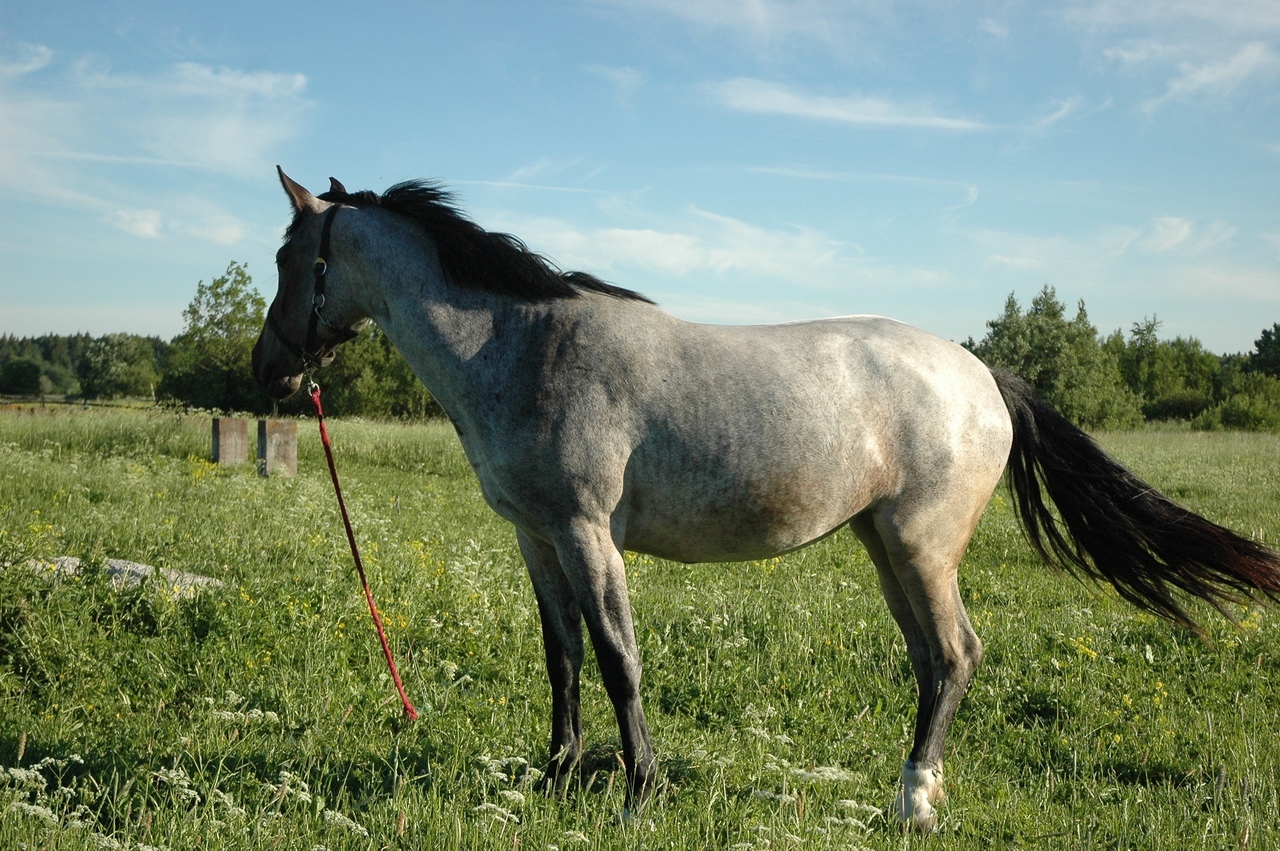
(557, 780)
(921, 789)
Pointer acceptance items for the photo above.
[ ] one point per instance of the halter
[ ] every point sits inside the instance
(313, 352)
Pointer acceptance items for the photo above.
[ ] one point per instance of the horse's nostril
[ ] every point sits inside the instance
(284, 387)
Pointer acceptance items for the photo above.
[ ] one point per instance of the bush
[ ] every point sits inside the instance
(20, 377)
(1253, 405)
(1185, 405)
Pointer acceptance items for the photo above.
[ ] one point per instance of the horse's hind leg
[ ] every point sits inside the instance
(562, 642)
(916, 561)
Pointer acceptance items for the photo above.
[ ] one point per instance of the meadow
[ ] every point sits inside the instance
(261, 715)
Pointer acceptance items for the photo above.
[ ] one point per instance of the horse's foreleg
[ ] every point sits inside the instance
(922, 595)
(562, 640)
(597, 573)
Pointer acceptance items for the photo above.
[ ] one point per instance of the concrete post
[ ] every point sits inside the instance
(230, 441)
(278, 448)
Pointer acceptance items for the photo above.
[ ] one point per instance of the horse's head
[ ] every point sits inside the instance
(313, 311)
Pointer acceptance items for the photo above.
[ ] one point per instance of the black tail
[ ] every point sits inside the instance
(1118, 527)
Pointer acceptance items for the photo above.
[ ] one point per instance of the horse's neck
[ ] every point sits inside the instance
(448, 337)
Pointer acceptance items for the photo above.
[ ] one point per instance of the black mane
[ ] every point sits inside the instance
(473, 257)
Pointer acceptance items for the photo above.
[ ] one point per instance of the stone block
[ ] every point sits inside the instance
(278, 448)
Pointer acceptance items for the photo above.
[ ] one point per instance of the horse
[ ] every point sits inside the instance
(596, 423)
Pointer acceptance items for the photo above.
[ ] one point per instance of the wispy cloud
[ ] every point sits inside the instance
(25, 59)
(767, 22)
(991, 26)
(1238, 16)
(144, 223)
(1065, 108)
(195, 116)
(626, 80)
(764, 97)
(1218, 78)
(701, 242)
(53, 138)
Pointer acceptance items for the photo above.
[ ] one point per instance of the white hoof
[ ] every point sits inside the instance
(921, 789)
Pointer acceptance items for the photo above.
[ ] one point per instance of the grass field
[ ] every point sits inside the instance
(779, 694)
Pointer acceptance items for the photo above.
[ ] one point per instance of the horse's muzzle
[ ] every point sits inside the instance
(268, 374)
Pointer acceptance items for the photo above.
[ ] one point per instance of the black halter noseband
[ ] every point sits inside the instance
(313, 353)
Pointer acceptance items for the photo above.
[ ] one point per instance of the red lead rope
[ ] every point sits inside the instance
(355, 554)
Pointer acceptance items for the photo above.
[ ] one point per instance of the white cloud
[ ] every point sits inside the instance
(214, 120)
(702, 243)
(1165, 234)
(1065, 107)
(27, 58)
(193, 116)
(766, 22)
(1232, 16)
(1141, 51)
(143, 223)
(1219, 78)
(991, 26)
(764, 97)
(625, 80)
(708, 267)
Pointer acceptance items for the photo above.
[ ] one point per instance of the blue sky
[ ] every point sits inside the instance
(737, 161)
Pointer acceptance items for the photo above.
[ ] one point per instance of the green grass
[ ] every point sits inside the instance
(778, 692)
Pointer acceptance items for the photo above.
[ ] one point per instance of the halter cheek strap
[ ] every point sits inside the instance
(312, 352)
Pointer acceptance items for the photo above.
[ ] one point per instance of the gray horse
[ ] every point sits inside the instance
(597, 423)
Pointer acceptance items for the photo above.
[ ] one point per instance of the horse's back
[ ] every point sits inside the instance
(754, 440)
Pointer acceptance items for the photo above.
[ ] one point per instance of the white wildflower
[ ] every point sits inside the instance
(496, 813)
(847, 804)
(179, 781)
(335, 817)
(512, 797)
(290, 786)
(24, 777)
(102, 841)
(822, 773)
(576, 836)
(45, 814)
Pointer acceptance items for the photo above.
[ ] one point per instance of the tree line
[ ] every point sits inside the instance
(208, 366)
(1113, 382)
(1120, 381)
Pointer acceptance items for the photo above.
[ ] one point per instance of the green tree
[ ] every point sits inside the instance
(1252, 403)
(1062, 359)
(1175, 379)
(369, 378)
(117, 365)
(20, 376)
(209, 362)
(1266, 352)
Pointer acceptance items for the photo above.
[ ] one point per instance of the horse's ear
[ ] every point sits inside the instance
(301, 198)
(336, 186)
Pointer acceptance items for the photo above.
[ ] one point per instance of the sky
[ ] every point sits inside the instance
(738, 162)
